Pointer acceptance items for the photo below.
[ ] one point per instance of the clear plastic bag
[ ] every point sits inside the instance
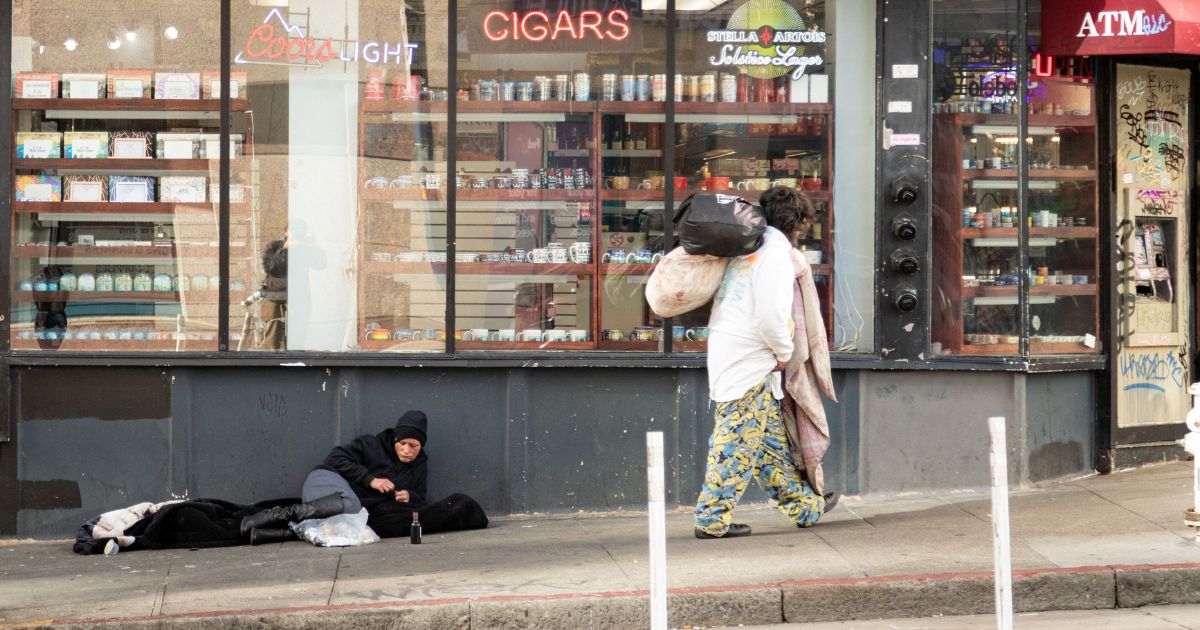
(342, 530)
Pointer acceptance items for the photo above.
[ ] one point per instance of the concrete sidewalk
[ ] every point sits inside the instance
(1100, 542)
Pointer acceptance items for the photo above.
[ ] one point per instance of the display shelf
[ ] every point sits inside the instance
(117, 105)
(113, 164)
(976, 349)
(631, 153)
(116, 207)
(479, 269)
(523, 345)
(569, 153)
(524, 194)
(1061, 290)
(1053, 174)
(117, 345)
(1057, 232)
(626, 269)
(117, 255)
(193, 297)
(403, 194)
(394, 345)
(1035, 120)
(752, 109)
(632, 346)
(633, 107)
(752, 196)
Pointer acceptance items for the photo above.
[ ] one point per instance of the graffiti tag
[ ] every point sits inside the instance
(1151, 370)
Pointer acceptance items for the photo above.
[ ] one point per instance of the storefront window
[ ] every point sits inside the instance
(558, 185)
(991, 241)
(115, 172)
(341, 212)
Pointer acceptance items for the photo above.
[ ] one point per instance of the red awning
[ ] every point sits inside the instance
(1120, 27)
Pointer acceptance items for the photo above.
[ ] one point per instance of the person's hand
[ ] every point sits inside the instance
(402, 496)
(780, 366)
(382, 485)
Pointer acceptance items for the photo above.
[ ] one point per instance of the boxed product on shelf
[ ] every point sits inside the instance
(39, 144)
(130, 189)
(130, 84)
(237, 193)
(210, 84)
(130, 144)
(182, 189)
(177, 85)
(84, 85)
(173, 145)
(85, 188)
(36, 85)
(85, 144)
(39, 188)
(210, 147)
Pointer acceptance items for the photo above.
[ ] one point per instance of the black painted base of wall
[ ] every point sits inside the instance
(1134, 456)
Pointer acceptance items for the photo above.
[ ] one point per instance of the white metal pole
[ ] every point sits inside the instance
(1000, 535)
(1191, 442)
(658, 530)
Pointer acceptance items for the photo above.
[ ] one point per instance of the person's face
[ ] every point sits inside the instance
(407, 449)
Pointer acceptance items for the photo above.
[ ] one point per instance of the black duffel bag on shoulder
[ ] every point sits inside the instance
(720, 225)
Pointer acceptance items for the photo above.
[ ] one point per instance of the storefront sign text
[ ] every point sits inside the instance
(288, 45)
(1127, 23)
(536, 26)
(767, 50)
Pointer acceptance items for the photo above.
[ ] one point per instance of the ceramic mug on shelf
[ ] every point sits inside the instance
(540, 255)
(530, 334)
(614, 256)
(786, 182)
(580, 252)
(618, 182)
(716, 183)
(611, 334)
(578, 335)
(555, 335)
(506, 334)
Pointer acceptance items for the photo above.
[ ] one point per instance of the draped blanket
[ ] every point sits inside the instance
(806, 377)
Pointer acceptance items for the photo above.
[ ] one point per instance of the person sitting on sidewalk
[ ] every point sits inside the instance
(386, 474)
(750, 343)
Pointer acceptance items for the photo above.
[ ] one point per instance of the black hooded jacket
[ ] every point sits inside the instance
(371, 456)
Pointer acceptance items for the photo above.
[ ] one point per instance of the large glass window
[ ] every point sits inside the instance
(114, 215)
(356, 200)
(1014, 200)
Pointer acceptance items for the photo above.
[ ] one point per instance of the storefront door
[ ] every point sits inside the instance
(1152, 199)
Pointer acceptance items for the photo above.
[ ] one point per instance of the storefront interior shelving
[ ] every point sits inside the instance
(188, 316)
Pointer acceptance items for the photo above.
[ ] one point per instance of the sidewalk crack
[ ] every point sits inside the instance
(1143, 518)
(160, 598)
(333, 586)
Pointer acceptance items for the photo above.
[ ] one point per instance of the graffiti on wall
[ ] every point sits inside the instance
(1152, 106)
(1156, 370)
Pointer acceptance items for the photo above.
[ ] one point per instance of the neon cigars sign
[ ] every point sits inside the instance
(767, 39)
(282, 43)
(537, 26)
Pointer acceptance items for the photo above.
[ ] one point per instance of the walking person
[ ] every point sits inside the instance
(750, 344)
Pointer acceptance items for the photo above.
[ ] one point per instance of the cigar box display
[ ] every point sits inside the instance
(36, 85)
(237, 193)
(39, 145)
(130, 84)
(177, 85)
(210, 146)
(182, 189)
(130, 189)
(84, 85)
(38, 188)
(85, 188)
(85, 144)
(210, 84)
(130, 144)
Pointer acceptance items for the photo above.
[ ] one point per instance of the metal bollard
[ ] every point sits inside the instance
(1191, 443)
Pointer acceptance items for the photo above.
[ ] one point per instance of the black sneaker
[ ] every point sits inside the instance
(735, 530)
(831, 501)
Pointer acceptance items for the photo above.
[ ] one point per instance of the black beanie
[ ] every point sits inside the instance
(410, 425)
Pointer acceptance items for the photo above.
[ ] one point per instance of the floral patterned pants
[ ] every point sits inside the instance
(749, 440)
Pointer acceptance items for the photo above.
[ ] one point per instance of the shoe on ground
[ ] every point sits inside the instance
(831, 501)
(735, 530)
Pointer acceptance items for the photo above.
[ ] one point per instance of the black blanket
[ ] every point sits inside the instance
(203, 523)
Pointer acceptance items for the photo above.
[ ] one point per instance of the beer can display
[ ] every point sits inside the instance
(658, 87)
(583, 86)
(608, 86)
(508, 91)
(525, 91)
(562, 87)
(628, 87)
(693, 87)
(643, 87)
(729, 88)
(543, 88)
(708, 88)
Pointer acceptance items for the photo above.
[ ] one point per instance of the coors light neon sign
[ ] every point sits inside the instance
(285, 44)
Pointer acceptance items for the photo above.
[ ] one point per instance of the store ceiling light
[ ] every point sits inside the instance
(130, 36)
(171, 33)
(71, 44)
(114, 42)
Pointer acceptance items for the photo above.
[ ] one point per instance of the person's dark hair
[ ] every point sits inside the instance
(787, 208)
